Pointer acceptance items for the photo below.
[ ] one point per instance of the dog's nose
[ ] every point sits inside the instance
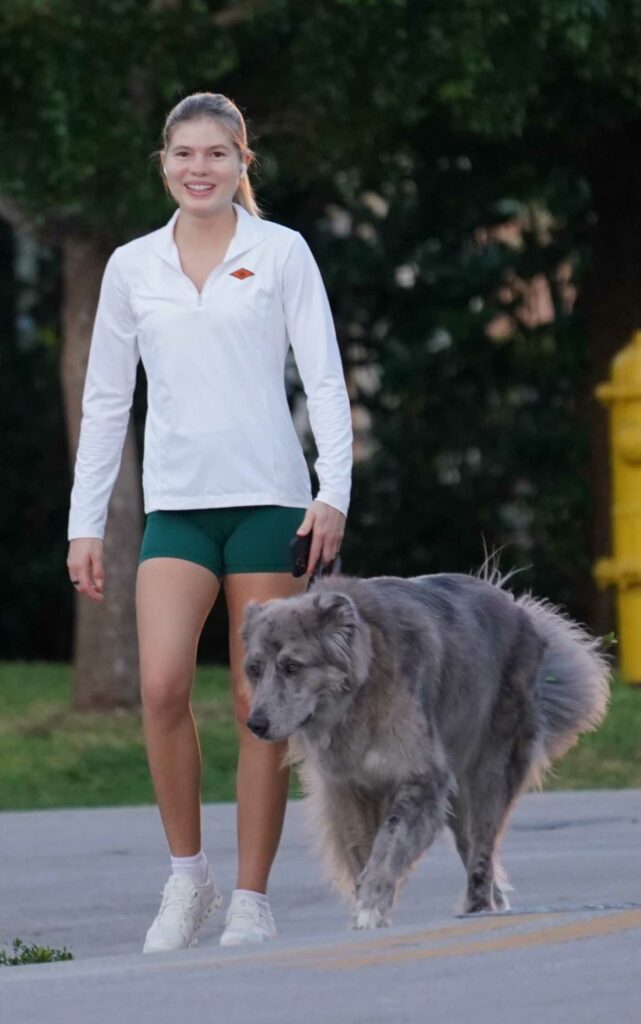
(259, 724)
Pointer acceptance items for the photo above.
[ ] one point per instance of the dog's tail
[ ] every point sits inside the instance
(573, 680)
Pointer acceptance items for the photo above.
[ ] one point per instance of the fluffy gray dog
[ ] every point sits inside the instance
(416, 704)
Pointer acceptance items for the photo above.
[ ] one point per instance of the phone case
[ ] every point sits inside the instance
(299, 548)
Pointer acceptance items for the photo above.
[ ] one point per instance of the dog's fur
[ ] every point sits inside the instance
(416, 704)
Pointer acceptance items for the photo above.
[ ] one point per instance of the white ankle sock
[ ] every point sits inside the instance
(195, 867)
(259, 897)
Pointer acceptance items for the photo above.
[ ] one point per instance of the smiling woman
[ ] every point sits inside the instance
(211, 303)
(203, 171)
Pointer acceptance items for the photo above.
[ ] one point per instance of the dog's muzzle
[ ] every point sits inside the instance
(259, 724)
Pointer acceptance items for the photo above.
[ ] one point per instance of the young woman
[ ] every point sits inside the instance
(211, 303)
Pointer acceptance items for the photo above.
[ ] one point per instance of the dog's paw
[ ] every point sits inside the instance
(480, 907)
(366, 918)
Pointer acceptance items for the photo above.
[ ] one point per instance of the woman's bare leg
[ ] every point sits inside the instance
(173, 599)
(261, 782)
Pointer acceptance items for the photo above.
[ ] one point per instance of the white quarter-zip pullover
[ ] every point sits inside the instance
(218, 431)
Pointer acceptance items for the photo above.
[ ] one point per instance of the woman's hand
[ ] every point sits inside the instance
(328, 526)
(84, 563)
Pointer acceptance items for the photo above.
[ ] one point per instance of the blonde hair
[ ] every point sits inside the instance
(224, 110)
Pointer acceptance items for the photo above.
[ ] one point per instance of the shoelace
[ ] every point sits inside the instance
(247, 910)
(174, 897)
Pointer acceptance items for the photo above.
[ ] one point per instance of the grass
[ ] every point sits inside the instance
(30, 953)
(609, 758)
(51, 756)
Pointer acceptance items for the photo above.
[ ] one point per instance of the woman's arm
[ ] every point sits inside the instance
(311, 332)
(107, 397)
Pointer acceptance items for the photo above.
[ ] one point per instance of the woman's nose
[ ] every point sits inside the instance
(199, 165)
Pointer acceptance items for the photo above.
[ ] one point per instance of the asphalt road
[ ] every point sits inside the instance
(570, 949)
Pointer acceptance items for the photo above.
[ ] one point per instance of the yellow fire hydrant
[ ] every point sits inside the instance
(622, 393)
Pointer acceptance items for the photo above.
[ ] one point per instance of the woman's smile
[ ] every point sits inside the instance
(199, 190)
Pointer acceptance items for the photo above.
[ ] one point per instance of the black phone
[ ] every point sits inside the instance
(299, 548)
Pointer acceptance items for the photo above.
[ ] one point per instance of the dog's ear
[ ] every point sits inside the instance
(252, 611)
(338, 619)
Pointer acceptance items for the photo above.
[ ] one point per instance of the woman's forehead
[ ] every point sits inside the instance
(201, 133)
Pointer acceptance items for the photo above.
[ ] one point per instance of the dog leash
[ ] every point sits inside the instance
(331, 569)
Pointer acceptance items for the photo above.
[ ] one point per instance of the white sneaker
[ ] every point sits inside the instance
(184, 909)
(248, 920)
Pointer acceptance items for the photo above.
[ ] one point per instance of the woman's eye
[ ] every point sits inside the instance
(184, 152)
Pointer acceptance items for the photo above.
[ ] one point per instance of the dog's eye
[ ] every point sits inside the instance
(253, 671)
(291, 667)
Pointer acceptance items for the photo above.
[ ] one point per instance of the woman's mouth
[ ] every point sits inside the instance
(200, 190)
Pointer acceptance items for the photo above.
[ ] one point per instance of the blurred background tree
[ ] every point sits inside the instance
(466, 175)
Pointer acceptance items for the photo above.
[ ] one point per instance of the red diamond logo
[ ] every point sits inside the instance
(242, 273)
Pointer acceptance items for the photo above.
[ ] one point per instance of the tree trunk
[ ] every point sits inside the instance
(613, 311)
(105, 643)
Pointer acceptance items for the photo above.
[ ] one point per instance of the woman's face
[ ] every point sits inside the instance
(201, 152)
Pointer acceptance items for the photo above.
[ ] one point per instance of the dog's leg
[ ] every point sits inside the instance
(489, 813)
(416, 815)
(493, 792)
(458, 821)
(497, 778)
(352, 824)
(344, 827)
(501, 883)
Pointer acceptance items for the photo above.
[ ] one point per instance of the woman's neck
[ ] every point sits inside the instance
(203, 232)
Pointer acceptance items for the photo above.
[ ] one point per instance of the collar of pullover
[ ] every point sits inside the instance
(246, 236)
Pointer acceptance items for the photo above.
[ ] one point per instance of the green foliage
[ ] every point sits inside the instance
(90, 86)
(456, 116)
(32, 954)
(484, 69)
(471, 438)
(35, 608)
(52, 757)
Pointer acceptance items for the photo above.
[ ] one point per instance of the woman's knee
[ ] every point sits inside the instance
(164, 694)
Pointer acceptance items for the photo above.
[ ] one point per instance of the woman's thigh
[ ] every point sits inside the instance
(173, 599)
(240, 588)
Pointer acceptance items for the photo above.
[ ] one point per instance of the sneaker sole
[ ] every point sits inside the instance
(241, 940)
(215, 905)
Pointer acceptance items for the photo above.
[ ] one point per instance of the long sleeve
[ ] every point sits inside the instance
(107, 397)
(311, 333)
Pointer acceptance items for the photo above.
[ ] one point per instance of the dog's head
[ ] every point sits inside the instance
(305, 657)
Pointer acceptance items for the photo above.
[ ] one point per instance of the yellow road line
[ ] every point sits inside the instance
(284, 957)
(469, 927)
(575, 931)
(403, 948)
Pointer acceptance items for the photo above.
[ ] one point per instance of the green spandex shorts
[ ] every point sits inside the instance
(251, 538)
